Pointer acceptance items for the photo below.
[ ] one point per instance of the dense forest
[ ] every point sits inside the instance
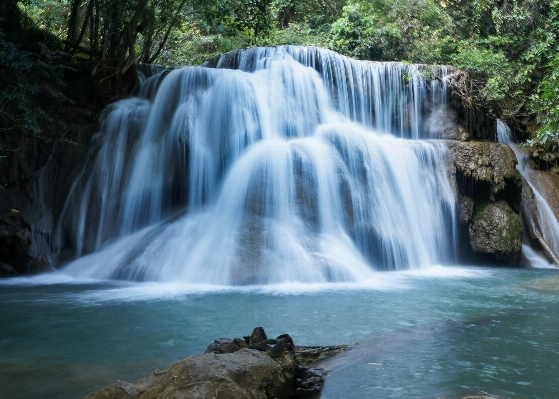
(507, 49)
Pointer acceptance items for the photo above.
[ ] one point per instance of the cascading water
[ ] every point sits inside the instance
(278, 165)
(548, 223)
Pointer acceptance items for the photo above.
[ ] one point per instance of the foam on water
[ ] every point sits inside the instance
(102, 291)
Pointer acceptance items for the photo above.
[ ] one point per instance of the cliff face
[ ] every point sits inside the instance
(488, 198)
(63, 142)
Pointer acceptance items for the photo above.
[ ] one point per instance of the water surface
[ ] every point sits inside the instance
(442, 332)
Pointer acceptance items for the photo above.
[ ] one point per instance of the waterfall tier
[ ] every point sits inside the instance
(288, 164)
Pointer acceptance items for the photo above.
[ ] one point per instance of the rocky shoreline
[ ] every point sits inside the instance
(252, 367)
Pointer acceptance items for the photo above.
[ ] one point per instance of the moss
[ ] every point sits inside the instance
(480, 212)
(468, 199)
(510, 233)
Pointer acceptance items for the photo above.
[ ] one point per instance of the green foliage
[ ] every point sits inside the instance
(49, 15)
(544, 101)
(392, 30)
(28, 80)
(250, 17)
(189, 45)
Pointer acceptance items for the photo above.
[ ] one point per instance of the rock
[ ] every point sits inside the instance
(309, 380)
(40, 264)
(444, 123)
(257, 335)
(547, 185)
(496, 230)
(491, 163)
(6, 270)
(225, 345)
(244, 373)
(309, 355)
(465, 210)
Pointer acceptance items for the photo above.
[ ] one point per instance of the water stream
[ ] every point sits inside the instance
(547, 221)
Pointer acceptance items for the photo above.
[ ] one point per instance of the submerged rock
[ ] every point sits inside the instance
(496, 230)
(271, 371)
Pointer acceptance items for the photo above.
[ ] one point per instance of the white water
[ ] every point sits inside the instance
(288, 169)
(549, 224)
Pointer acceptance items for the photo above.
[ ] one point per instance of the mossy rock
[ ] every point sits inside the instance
(496, 230)
(492, 163)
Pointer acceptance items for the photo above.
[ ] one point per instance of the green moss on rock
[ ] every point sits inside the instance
(496, 229)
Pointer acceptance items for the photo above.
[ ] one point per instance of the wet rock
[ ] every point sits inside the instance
(40, 264)
(244, 374)
(547, 184)
(309, 381)
(6, 270)
(491, 163)
(308, 355)
(496, 230)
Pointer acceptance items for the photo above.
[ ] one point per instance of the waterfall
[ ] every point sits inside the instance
(271, 165)
(548, 223)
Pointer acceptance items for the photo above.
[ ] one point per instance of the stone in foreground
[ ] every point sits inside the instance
(256, 367)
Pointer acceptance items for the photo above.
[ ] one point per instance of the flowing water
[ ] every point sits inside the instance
(548, 223)
(287, 164)
(289, 188)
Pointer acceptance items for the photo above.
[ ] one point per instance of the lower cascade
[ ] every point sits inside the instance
(289, 164)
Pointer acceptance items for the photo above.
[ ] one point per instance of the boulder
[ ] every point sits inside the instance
(267, 368)
(496, 230)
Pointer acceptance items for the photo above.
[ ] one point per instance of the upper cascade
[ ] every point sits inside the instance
(267, 165)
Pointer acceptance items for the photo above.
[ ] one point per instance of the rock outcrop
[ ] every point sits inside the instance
(488, 198)
(496, 230)
(484, 162)
(253, 367)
